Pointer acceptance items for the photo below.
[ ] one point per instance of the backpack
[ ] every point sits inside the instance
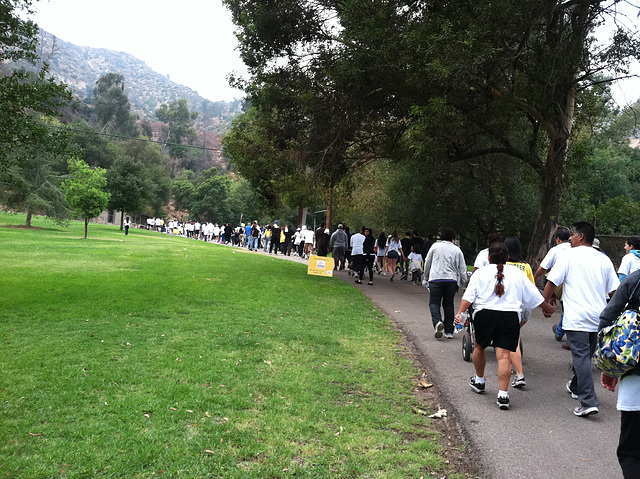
(618, 347)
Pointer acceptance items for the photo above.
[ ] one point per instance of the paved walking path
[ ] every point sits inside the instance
(539, 436)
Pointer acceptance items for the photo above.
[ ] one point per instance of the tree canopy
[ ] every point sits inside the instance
(345, 83)
(85, 190)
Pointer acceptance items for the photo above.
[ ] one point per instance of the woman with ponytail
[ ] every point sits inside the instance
(498, 292)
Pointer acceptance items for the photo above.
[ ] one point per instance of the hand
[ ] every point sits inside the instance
(608, 382)
(547, 308)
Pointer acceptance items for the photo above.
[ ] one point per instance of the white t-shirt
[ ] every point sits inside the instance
(482, 259)
(630, 263)
(552, 255)
(393, 245)
(416, 261)
(519, 292)
(629, 393)
(588, 277)
(357, 240)
(308, 236)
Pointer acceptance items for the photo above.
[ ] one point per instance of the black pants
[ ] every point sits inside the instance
(629, 446)
(274, 246)
(367, 262)
(442, 293)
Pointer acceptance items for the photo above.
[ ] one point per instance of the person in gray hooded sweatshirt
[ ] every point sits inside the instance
(338, 244)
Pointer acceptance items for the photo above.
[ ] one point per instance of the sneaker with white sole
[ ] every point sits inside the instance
(573, 395)
(503, 403)
(439, 329)
(582, 411)
(477, 387)
(448, 335)
(519, 382)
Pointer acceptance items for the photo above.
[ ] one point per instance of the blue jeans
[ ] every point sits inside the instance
(253, 243)
(559, 330)
(442, 293)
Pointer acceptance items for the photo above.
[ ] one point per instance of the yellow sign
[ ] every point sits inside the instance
(320, 266)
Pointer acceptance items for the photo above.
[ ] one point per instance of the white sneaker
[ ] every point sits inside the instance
(448, 335)
(585, 411)
(573, 395)
(439, 329)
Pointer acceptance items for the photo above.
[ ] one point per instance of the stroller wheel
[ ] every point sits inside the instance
(467, 346)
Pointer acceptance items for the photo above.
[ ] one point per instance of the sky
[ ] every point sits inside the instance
(192, 41)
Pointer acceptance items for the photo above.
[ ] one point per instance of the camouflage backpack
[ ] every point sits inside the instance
(618, 349)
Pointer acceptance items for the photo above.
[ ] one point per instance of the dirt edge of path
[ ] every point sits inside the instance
(456, 444)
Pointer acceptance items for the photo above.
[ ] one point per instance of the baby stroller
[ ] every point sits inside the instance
(469, 338)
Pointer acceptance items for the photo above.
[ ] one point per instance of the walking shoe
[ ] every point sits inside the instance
(573, 395)
(358, 281)
(477, 387)
(566, 346)
(582, 411)
(503, 403)
(448, 335)
(519, 382)
(439, 328)
(553, 328)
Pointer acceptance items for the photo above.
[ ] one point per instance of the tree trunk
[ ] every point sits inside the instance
(28, 222)
(548, 212)
(121, 220)
(329, 207)
(86, 227)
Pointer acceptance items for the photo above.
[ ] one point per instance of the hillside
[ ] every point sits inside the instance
(80, 67)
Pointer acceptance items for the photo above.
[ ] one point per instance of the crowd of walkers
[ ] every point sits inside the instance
(499, 294)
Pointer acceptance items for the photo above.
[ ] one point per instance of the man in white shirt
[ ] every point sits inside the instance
(562, 245)
(482, 259)
(588, 277)
(357, 241)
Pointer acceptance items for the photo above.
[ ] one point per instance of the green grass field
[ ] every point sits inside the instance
(154, 356)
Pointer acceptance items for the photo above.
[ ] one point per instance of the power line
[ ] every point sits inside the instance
(131, 138)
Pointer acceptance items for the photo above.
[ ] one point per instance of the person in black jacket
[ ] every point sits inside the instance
(368, 254)
(628, 398)
(276, 232)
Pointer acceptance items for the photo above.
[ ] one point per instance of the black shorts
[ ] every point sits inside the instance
(500, 329)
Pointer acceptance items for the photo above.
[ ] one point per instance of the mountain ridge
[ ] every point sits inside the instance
(80, 67)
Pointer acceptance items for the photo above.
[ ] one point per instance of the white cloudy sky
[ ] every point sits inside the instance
(190, 40)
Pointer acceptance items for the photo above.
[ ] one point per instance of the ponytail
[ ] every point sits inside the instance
(498, 255)
(499, 289)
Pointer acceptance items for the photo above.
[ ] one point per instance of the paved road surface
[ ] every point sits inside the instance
(538, 437)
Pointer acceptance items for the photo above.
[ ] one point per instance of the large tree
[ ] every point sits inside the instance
(460, 81)
(129, 186)
(24, 96)
(32, 182)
